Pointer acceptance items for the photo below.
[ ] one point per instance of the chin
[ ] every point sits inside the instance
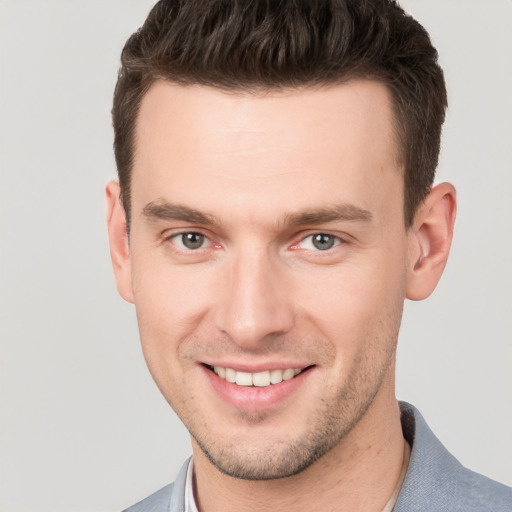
(269, 457)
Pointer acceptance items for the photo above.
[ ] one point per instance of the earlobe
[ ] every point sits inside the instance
(430, 240)
(118, 239)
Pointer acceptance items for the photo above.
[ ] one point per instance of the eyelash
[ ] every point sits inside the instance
(175, 237)
(179, 236)
(335, 239)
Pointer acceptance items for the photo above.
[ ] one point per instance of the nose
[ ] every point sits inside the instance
(255, 304)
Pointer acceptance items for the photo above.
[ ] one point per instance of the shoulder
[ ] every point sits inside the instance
(157, 502)
(170, 498)
(482, 493)
(437, 481)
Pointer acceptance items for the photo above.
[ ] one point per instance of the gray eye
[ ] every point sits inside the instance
(192, 240)
(323, 242)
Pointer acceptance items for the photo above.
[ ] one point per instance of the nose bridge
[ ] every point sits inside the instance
(255, 303)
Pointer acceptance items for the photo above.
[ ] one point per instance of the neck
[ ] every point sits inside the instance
(359, 474)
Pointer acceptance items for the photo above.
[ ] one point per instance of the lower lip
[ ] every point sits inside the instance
(254, 398)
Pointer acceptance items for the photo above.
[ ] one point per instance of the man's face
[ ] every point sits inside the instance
(267, 242)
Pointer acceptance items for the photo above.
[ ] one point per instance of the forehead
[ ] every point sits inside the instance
(329, 142)
(357, 106)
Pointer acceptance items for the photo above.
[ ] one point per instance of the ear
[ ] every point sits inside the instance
(430, 239)
(119, 242)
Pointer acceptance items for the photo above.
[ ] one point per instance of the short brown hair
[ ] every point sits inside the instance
(259, 45)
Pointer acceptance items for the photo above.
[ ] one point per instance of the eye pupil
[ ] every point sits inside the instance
(192, 240)
(322, 241)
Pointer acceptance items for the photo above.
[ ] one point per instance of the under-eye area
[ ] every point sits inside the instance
(258, 379)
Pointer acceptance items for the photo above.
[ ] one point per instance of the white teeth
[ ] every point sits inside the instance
(288, 374)
(276, 376)
(230, 375)
(220, 371)
(260, 379)
(243, 379)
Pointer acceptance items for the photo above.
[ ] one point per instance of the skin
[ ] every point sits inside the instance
(257, 176)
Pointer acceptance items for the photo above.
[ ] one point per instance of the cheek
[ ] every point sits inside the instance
(357, 303)
(169, 297)
(170, 303)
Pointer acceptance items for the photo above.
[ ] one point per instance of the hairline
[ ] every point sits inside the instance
(261, 89)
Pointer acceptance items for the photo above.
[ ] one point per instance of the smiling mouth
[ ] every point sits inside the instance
(258, 379)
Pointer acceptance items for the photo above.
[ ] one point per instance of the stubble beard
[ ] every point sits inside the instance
(333, 420)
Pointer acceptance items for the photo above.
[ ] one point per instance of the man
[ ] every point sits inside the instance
(275, 207)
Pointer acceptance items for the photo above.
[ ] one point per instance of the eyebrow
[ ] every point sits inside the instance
(169, 211)
(343, 212)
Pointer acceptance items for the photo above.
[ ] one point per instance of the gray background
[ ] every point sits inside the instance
(83, 427)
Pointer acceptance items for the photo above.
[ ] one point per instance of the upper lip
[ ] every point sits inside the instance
(257, 367)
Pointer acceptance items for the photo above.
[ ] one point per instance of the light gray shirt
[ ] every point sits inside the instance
(435, 481)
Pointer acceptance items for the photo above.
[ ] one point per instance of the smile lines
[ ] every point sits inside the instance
(259, 379)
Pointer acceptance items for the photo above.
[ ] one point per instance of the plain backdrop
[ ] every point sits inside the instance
(83, 427)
